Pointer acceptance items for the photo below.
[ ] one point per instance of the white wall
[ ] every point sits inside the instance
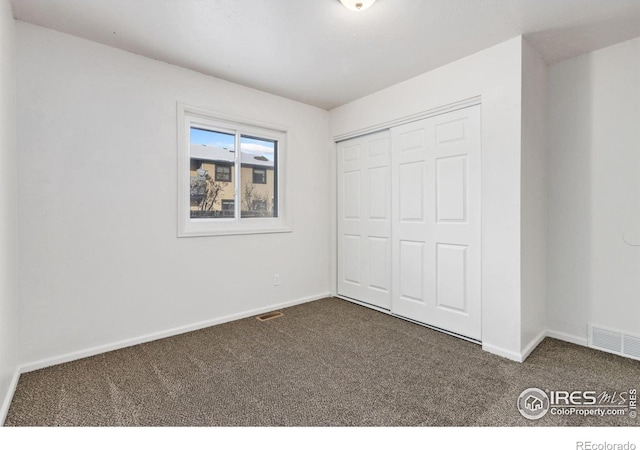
(534, 198)
(494, 74)
(594, 192)
(8, 210)
(100, 259)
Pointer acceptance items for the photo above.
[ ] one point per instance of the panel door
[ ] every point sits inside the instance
(436, 221)
(364, 219)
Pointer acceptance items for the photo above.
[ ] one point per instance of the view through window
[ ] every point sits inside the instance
(214, 192)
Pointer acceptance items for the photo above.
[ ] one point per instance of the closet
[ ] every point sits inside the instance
(409, 221)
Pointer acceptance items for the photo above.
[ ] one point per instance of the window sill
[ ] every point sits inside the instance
(227, 229)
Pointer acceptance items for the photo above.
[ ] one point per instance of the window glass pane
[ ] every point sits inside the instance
(212, 162)
(258, 179)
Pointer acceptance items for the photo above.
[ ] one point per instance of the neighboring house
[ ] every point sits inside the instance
(213, 183)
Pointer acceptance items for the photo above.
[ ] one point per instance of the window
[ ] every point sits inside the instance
(259, 176)
(228, 208)
(223, 173)
(232, 175)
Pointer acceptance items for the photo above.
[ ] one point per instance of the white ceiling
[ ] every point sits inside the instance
(318, 52)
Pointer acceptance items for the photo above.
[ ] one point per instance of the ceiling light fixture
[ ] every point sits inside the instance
(357, 5)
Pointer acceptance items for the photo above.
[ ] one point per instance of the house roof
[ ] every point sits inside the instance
(218, 154)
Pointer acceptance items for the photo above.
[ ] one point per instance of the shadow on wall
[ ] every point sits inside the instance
(569, 199)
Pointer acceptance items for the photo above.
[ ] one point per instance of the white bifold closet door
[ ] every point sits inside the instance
(364, 219)
(436, 221)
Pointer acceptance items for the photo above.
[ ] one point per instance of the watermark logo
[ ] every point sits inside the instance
(588, 445)
(533, 403)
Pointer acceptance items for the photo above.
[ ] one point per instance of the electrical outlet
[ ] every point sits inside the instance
(276, 279)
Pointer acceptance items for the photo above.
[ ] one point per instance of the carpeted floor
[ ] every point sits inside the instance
(325, 363)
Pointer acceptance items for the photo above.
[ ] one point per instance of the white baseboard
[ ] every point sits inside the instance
(572, 338)
(513, 356)
(72, 356)
(533, 344)
(9, 396)
(526, 351)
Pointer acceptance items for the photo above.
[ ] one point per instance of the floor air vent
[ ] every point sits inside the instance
(631, 346)
(614, 342)
(269, 316)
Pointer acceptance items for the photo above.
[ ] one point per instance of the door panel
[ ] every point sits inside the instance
(352, 269)
(352, 195)
(379, 269)
(451, 189)
(378, 189)
(436, 221)
(451, 279)
(410, 139)
(411, 271)
(351, 154)
(364, 218)
(449, 131)
(411, 180)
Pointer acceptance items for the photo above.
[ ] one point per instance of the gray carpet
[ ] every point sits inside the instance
(325, 363)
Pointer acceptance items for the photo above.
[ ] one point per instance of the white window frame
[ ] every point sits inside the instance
(189, 116)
